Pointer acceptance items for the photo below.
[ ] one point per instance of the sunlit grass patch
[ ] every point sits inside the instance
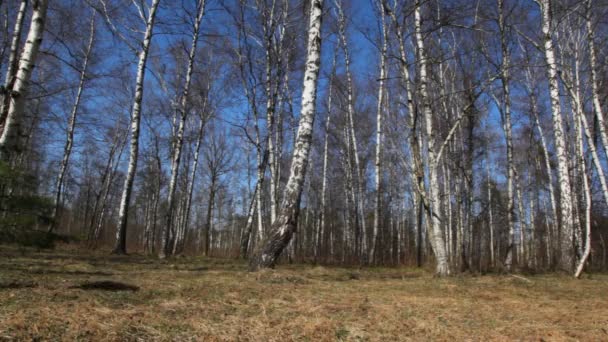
(215, 299)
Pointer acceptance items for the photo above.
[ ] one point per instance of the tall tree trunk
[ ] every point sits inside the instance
(179, 138)
(437, 240)
(417, 174)
(351, 113)
(379, 109)
(269, 28)
(9, 140)
(323, 211)
(285, 225)
(566, 260)
(507, 127)
(123, 214)
(67, 150)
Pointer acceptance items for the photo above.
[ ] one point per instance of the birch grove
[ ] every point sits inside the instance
(457, 135)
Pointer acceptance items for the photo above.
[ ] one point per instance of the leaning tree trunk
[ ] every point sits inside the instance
(67, 151)
(437, 240)
(11, 70)
(566, 258)
(9, 140)
(285, 225)
(179, 139)
(121, 231)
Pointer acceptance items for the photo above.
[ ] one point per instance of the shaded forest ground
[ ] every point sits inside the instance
(42, 298)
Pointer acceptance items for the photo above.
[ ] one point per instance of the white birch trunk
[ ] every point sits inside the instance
(351, 113)
(442, 265)
(9, 140)
(507, 127)
(378, 158)
(12, 63)
(285, 225)
(586, 190)
(325, 156)
(67, 150)
(179, 137)
(566, 260)
(270, 109)
(121, 229)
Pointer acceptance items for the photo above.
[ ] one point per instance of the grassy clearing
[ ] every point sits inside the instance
(213, 299)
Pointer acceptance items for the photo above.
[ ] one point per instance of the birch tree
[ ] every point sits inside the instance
(566, 260)
(9, 139)
(437, 240)
(380, 108)
(284, 226)
(179, 138)
(69, 143)
(11, 70)
(359, 197)
(507, 127)
(121, 229)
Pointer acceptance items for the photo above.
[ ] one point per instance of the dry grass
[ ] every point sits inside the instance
(216, 300)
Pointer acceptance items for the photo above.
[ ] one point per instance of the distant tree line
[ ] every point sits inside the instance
(468, 135)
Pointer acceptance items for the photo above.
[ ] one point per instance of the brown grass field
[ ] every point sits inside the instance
(195, 299)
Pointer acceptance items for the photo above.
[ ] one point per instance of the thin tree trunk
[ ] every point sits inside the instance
(325, 155)
(553, 228)
(380, 108)
(190, 191)
(351, 112)
(209, 217)
(521, 258)
(123, 215)
(106, 194)
(285, 225)
(586, 192)
(246, 237)
(490, 218)
(179, 138)
(71, 127)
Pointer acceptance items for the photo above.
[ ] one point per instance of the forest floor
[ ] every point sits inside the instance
(45, 296)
